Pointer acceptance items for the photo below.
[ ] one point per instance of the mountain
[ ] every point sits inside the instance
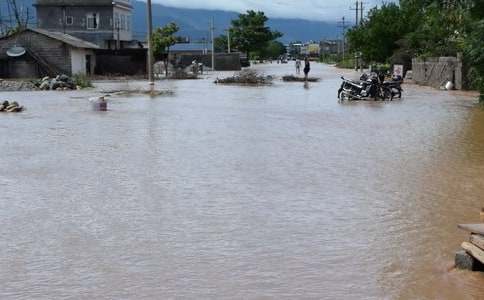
(194, 23)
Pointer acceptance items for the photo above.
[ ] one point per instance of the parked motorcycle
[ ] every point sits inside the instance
(395, 85)
(369, 86)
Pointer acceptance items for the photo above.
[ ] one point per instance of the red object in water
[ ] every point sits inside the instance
(103, 106)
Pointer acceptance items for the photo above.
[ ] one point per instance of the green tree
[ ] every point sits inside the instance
(220, 44)
(377, 37)
(163, 38)
(249, 32)
(474, 44)
(273, 50)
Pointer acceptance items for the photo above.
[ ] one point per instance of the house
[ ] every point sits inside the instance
(106, 23)
(310, 49)
(46, 53)
(331, 46)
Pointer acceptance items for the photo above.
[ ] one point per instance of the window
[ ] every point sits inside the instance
(123, 22)
(116, 21)
(128, 23)
(69, 20)
(93, 21)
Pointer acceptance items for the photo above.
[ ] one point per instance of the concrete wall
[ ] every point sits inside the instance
(223, 61)
(79, 60)
(53, 52)
(122, 62)
(436, 71)
(21, 67)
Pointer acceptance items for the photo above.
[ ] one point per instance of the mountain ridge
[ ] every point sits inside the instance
(194, 23)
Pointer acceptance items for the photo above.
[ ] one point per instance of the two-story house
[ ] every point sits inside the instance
(106, 23)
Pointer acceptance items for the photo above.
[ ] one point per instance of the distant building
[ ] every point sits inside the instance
(330, 47)
(46, 53)
(294, 49)
(310, 49)
(106, 23)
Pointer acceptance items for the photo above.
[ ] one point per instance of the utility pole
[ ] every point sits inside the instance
(361, 12)
(228, 40)
(150, 46)
(343, 25)
(356, 9)
(212, 28)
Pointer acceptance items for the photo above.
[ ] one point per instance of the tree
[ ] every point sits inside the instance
(221, 44)
(274, 50)
(163, 38)
(474, 45)
(249, 32)
(376, 38)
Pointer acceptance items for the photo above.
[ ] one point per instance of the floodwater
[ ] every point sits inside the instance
(225, 192)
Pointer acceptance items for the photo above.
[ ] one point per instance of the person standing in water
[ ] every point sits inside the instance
(298, 66)
(307, 68)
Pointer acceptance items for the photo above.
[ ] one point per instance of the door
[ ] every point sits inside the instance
(88, 64)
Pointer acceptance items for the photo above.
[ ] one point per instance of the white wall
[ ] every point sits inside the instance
(78, 61)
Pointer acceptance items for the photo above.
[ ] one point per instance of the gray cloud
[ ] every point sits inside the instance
(326, 10)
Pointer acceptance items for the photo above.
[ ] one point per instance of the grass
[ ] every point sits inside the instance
(82, 81)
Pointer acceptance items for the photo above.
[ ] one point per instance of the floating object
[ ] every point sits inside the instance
(11, 107)
(472, 258)
(449, 86)
(292, 78)
(16, 51)
(99, 103)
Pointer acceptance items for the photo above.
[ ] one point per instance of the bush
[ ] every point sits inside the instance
(347, 63)
(82, 81)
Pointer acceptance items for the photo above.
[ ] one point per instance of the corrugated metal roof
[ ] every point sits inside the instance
(65, 38)
(191, 47)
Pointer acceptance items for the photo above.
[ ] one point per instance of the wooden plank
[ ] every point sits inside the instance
(473, 228)
(474, 251)
(478, 240)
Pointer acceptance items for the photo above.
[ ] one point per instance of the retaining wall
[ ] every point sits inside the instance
(437, 71)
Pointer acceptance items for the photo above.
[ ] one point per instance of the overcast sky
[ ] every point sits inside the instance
(326, 10)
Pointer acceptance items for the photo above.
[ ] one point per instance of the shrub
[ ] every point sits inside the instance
(82, 81)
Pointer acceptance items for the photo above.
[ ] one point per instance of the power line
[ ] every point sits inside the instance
(343, 25)
(356, 9)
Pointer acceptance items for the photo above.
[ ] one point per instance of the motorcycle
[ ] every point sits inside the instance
(395, 85)
(369, 86)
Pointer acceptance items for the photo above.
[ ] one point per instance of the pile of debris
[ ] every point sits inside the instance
(16, 86)
(10, 107)
(181, 74)
(472, 255)
(292, 78)
(247, 77)
(59, 83)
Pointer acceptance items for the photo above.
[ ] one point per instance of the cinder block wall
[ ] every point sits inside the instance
(55, 53)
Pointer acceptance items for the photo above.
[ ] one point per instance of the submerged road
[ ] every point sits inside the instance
(226, 192)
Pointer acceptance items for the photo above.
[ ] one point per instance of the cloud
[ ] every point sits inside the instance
(327, 10)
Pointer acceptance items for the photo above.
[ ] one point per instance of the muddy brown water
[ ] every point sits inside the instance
(226, 192)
